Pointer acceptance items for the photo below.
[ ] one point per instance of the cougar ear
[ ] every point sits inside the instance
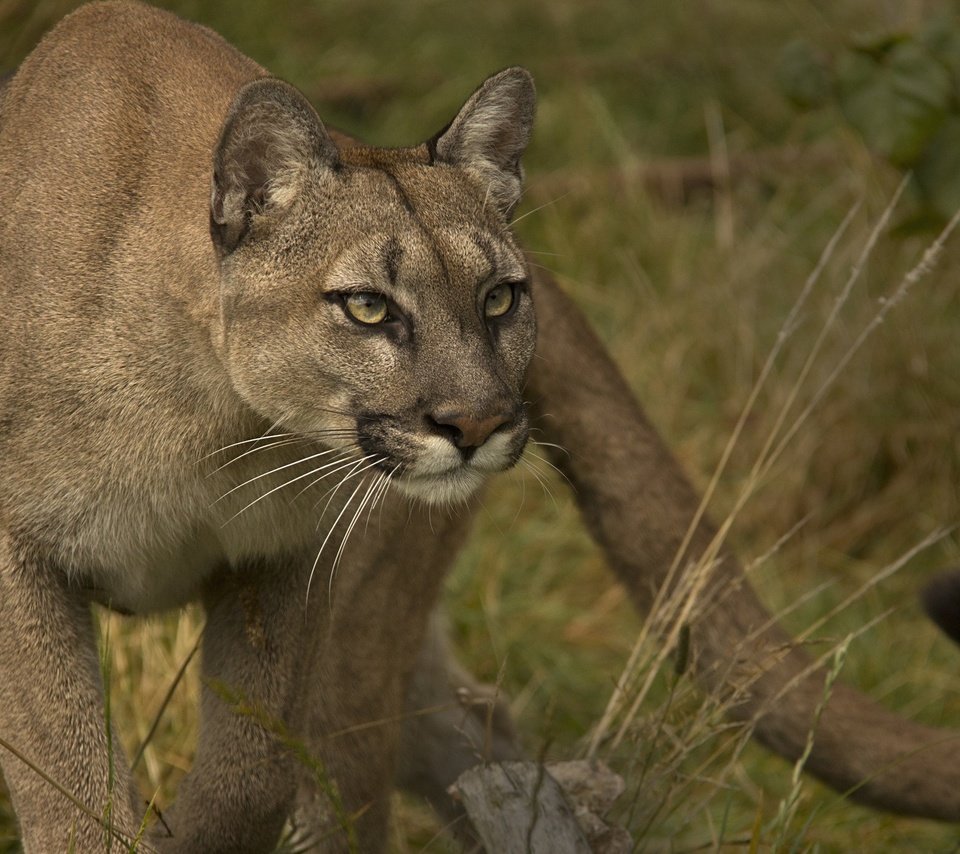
(271, 141)
(489, 135)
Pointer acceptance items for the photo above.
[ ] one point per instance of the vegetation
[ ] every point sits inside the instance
(684, 201)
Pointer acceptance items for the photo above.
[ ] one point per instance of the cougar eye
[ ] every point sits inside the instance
(367, 308)
(499, 300)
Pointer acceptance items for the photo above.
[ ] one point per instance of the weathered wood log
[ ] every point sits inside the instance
(521, 808)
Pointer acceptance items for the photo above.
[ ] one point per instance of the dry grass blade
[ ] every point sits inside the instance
(91, 813)
(786, 330)
(165, 702)
(674, 604)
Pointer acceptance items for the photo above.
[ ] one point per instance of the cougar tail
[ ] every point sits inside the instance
(638, 504)
(941, 601)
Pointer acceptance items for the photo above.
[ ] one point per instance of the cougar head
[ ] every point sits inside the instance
(374, 299)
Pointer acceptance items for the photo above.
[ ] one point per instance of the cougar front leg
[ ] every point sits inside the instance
(469, 723)
(52, 713)
(368, 688)
(241, 786)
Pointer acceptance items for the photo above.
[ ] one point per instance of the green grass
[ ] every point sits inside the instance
(688, 286)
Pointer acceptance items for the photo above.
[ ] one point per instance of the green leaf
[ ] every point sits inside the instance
(937, 173)
(941, 36)
(877, 42)
(803, 75)
(896, 100)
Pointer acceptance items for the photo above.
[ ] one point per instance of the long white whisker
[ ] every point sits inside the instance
(550, 445)
(353, 465)
(352, 473)
(249, 442)
(524, 215)
(349, 531)
(333, 527)
(384, 486)
(275, 470)
(326, 539)
(278, 440)
(543, 484)
(545, 461)
(523, 498)
(275, 442)
(282, 443)
(282, 485)
(345, 460)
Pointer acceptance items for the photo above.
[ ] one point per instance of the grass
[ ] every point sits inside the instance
(688, 280)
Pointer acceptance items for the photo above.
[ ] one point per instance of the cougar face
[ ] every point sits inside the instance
(375, 301)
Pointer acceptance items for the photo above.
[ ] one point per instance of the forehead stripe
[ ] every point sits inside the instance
(486, 248)
(404, 198)
(392, 255)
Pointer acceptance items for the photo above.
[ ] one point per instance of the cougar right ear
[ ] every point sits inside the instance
(271, 141)
(490, 133)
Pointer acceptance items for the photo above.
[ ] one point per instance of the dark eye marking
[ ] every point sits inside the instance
(392, 256)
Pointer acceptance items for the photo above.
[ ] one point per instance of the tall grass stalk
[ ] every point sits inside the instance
(788, 806)
(674, 605)
(658, 606)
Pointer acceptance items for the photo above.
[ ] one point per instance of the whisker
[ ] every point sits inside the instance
(540, 444)
(528, 251)
(275, 470)
(382, 485)
(326, 539)
(546, 269)
(333, 490)
(283, 440)
(523, 498)
(266, 435)
(524, 215)
(545, 461)
(352, 473)
(346, 460)
(349, 531)
(353, 465)
(282, 485)
(386, 489)
(281, 443)
(543, 484)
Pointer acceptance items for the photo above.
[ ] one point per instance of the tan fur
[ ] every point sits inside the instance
(176, 234)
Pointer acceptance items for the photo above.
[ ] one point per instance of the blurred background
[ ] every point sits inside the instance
(691, 162)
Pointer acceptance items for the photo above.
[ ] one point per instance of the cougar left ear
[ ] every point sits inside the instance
(489, 135)
(271, 141)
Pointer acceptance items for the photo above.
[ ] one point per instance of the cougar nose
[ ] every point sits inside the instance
(466, 430)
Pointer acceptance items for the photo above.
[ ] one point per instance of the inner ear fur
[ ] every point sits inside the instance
(490, 133)
(271, 140)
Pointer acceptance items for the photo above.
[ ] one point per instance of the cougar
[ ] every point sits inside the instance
(214, 305)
